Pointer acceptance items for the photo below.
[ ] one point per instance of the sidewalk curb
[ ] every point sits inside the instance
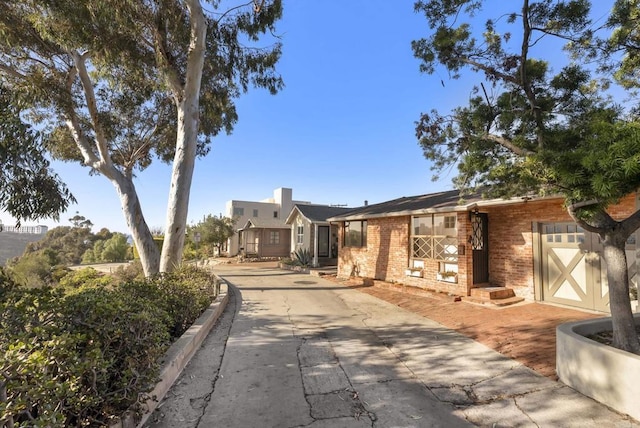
(178, 356)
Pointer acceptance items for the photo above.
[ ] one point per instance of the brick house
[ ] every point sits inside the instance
(450, 244)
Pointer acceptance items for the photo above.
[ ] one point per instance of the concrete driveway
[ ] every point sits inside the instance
(295, 350)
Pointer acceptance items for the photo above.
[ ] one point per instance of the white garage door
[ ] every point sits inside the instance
(573, 273)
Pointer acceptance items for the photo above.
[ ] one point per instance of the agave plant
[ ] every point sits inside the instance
(303, 257)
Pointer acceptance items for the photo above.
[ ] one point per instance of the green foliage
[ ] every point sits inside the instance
(80, 221)
(113, 249)
(184, 294)
(32, 270)
(86, 278)
(81, 358)
(115, 91)
(29, 189)
(129, 272)
(303, 257)
(531, 128)
(68, 244)
(213, 232)
(537, 128)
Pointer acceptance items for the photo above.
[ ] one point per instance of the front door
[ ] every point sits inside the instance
(323, 241)
(480, 247)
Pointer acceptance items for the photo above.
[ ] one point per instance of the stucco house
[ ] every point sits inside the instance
(454, 244)
(261, 223)
(310, 230)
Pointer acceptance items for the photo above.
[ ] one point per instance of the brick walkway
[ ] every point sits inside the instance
(525, 332)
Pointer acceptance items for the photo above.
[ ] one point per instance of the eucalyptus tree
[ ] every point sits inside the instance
(537, 125)
(115, 84)
(29, 189)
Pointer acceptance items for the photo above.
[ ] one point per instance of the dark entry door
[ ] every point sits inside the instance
(323, 241)
(480, 247)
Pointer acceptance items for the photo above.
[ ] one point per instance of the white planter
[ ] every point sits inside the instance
(447, 278)
(413, 272)
(606, 374)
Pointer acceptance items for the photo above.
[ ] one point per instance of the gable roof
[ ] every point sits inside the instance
(316, 213)
(447, 201)
(264, 223)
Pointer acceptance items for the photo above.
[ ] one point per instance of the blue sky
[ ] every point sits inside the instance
(341, 131)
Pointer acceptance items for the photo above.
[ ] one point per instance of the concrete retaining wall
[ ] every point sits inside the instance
(604, 373)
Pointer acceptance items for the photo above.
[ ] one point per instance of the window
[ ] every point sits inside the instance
(255, 213)
(238, 211)
(275, 214)
(435, 236)
(300, 235)
(274, 237)
(355, 233)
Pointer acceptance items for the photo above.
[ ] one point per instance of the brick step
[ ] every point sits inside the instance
(496, 296)
(496, 302)
(492, 293)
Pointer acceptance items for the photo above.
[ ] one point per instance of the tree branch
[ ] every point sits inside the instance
(489, 70)
(507, 144)
(73, 123)
(605, 218)
(631, 223)
(11, 71)
(172, 75)
(525, 84)
(90, 96)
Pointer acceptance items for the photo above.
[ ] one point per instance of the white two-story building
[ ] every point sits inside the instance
(261, 228)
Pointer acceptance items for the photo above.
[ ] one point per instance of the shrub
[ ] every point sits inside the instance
(128, 335)
(189, 292)
(80, 358)
(84, 278)
(130, 272)
(287, 261)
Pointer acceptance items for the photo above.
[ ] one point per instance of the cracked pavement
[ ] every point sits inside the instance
(298, 351)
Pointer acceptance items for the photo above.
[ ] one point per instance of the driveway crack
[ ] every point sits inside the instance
(235, 302)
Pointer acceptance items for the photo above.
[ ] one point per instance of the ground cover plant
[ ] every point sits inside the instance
(82, 353)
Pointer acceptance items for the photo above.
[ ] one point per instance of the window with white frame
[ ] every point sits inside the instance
(300, 235)
(355, 233)
(274, 237)
(435, 236)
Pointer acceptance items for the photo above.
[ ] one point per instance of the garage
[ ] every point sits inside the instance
(571, 268)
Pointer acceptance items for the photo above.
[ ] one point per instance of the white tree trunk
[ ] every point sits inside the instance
(187, 104)
(177, 207)
(142, 237)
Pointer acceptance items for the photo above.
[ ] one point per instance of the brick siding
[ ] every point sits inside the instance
(386, 256)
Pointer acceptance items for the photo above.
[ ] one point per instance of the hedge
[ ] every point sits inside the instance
(82, 358)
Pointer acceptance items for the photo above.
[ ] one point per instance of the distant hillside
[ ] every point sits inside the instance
(13, 244)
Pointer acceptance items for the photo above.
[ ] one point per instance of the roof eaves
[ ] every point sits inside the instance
(403, 213)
